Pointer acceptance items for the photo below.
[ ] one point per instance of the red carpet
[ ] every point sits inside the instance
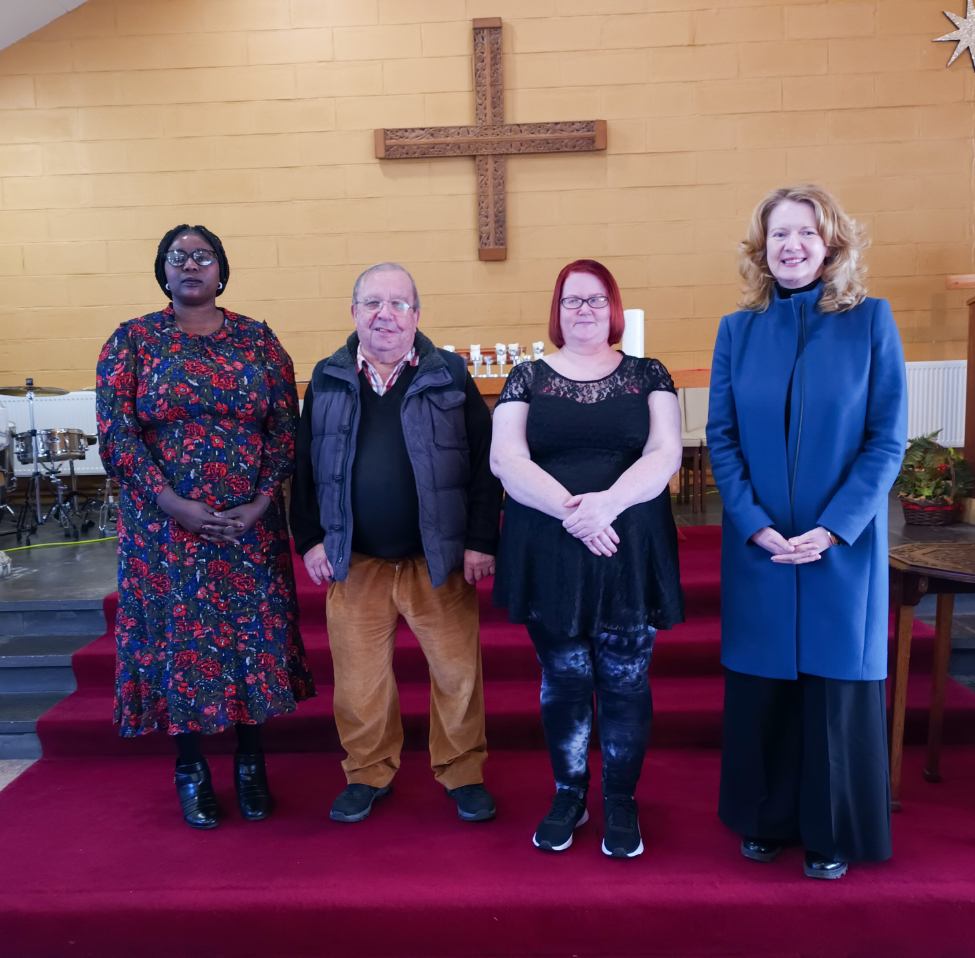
(96, 862)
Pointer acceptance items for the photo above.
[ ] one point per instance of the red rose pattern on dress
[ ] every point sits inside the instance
(207, 634)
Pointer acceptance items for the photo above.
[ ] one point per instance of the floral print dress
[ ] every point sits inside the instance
(207, 633)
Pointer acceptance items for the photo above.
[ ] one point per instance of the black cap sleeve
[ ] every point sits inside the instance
(518, 387)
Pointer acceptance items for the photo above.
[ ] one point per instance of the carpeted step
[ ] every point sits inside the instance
(692, 648)
(686, 681)
(97, 863)
(699, 566)
(689, 649)
(687, 712)
(701, 601)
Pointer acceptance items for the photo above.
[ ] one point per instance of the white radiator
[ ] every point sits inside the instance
(72, 411)
(936, 400)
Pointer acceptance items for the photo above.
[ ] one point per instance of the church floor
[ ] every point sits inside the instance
(11, 768)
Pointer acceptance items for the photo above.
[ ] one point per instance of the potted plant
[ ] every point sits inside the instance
(932, 482)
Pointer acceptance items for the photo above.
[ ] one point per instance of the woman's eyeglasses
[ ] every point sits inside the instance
(202, 257)
(575, 302)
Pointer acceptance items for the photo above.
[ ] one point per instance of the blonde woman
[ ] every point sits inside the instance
(806, 433)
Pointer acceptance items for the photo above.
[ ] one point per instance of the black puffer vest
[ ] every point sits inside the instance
(434, 429)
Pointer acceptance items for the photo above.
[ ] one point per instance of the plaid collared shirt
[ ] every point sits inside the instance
(379, 385)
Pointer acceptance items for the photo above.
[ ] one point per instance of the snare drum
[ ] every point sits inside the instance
(53, 445)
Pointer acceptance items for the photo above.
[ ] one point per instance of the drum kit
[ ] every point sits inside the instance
(47, 450)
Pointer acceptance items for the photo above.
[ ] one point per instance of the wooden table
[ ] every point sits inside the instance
(944, 569)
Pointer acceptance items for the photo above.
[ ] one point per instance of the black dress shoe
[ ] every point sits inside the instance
(761, 849)
(195, 791)
(819, 866)
(253, 796)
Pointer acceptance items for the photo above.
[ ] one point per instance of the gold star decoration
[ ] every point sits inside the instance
(964, 35)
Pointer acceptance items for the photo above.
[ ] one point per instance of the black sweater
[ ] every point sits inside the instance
(483, 492)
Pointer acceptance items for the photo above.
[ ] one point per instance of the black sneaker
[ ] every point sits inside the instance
(622, 836)
(354, 802)
(568, 812)
(474, 802)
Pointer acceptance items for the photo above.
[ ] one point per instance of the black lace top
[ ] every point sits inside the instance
(586, 434)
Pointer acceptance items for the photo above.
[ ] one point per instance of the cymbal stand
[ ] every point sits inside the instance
(63, 508)
(7, 469)
(30, 512)
(108, 512)
(74, 496)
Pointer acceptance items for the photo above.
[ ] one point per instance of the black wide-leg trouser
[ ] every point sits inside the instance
(805, 761)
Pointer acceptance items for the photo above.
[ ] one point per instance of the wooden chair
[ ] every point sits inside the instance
(692, 478)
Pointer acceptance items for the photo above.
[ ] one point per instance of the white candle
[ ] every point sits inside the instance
(633, 332)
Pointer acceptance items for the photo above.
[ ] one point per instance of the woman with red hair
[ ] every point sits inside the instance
(585, 442)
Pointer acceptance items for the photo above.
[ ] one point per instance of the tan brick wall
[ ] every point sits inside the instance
(255, 117)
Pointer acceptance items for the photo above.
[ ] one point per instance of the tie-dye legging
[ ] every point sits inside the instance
(614, 667)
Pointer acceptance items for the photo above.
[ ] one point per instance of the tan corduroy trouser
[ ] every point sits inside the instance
(362, 613)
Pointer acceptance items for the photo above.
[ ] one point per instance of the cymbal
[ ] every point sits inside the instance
(38, 391)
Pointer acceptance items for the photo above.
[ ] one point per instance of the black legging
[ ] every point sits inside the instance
(614, 667)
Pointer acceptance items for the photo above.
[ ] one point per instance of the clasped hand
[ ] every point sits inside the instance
(808, 547)
(590, 520)
(212, 524)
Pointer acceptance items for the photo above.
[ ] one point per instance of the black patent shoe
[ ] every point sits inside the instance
(761, 849)
(819, 866)
(195, 791)
(253, 795)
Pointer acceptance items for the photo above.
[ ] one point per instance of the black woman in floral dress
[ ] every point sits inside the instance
(197, 412)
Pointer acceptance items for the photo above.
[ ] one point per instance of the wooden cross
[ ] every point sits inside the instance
(490, 139)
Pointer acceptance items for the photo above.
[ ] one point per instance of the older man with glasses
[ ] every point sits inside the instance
(394, 508)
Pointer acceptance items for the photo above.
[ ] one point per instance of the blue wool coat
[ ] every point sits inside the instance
(806, 428)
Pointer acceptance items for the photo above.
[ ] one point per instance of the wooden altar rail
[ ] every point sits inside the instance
(967, 281)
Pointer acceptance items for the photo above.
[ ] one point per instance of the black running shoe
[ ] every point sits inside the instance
(568, 812)
(474, 803)
(622, 837)
(355, 801)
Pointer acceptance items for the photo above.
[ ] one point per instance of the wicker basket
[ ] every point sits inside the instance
(918, 513)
